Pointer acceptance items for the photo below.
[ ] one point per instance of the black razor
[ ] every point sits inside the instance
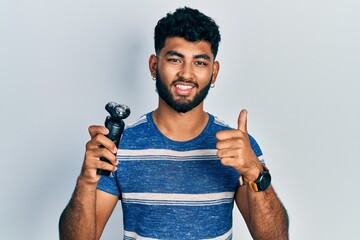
(116, 125)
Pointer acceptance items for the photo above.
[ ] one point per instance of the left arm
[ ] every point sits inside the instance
(263, 212)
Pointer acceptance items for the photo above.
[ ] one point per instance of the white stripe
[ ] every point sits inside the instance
(178, 203)
(261, 158)
(166, 158)
(223, 237)
(177, 196)
(220, 122)
(136, 236)
(166, 152)
(182, 200)
(170, 155)
(142, 119)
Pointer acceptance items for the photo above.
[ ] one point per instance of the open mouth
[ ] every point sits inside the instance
(184, 88)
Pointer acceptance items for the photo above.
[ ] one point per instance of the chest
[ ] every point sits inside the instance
(169, 174)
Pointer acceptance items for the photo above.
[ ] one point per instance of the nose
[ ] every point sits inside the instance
(186, 71)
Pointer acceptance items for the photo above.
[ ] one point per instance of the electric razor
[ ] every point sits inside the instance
(116, 125)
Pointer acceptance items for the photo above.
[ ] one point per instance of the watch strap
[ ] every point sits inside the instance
(251, 184)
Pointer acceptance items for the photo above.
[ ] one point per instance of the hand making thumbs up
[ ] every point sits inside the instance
(234, 149)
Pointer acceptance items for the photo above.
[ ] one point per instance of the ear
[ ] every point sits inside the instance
(216, 68)
(153, 64)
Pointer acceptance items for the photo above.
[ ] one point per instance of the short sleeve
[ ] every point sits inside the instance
(109, 184)
(256, 148)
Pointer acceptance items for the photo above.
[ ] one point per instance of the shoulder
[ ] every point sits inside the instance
(218, 123)
(138, 123)
(138, 133)
(140, 126)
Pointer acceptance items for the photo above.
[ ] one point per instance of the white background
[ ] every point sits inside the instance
(293, 64)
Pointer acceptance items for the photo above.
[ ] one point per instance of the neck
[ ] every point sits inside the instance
(180, 126)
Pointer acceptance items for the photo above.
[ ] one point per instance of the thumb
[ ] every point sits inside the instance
(242, 121)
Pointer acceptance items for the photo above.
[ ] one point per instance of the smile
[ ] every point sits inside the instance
(184, 87)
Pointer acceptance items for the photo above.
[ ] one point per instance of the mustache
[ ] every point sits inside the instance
(182, 80)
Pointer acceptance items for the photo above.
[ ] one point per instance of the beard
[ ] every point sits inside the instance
(181, 105)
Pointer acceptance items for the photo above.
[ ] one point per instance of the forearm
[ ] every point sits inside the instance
(78, 220)
(267, 217)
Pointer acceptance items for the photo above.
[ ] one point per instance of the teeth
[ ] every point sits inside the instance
(184, 87)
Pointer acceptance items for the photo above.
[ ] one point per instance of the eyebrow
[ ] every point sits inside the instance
(175, 53)
(204, 56)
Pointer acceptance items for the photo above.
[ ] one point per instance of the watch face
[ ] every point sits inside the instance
(264, 181)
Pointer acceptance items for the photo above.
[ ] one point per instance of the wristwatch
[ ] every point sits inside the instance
(260, 184)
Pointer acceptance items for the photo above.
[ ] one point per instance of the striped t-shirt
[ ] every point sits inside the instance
(173, 190)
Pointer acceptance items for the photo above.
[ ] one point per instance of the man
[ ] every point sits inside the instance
(178, 169)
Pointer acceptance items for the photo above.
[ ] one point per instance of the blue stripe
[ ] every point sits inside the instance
(179, 222)
(184, 177)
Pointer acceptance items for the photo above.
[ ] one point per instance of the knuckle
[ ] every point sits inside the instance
(219, 154)
(87, 165)
(103, 151)
(103, 164)
(90, 128)
(97, 137)
(218, 134)
(239, 141)
(88, 154)
(112, 158)
(224, 161)
(88, 145)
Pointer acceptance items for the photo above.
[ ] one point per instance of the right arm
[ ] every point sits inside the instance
(89, 209)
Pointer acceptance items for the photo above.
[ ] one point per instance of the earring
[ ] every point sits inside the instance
(212, 85)
(153, 78)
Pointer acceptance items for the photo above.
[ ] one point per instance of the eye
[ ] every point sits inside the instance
(200, 63)
(174, 60)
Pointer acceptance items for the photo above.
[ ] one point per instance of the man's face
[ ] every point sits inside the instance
(184, 73)
(182, 104)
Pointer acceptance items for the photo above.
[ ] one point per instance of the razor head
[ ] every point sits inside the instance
(120, 111)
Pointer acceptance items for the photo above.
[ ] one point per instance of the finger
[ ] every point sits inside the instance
(227, 134)
(105, 166)
(242, 121)
(228, 153)
(101, 152)
(235, 142)
(96, 129)
(95, 163)
(231, 162)
(101, 141)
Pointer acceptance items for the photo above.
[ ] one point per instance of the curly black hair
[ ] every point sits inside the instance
(190, 24)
